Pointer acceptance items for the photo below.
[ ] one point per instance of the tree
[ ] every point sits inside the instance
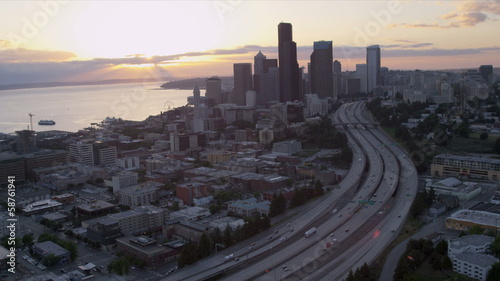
(442, 247)
(188, 254)
(494, 273)
(495, 246)
(27, 239)
(214, 208)
(228, 236)
(204, 246)
(483, 136)
(50, 260)
(257, 195)
(446, 263)
(217, 236)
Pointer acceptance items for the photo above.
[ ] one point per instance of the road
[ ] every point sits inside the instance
(359, 218)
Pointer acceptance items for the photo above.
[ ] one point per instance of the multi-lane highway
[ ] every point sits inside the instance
(354, 222)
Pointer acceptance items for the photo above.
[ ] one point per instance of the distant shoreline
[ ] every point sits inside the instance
(62, 84)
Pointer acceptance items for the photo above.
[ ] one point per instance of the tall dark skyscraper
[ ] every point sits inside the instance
(288, 66)
(487, 73)
(214, 90)
(337, 79)
(265, 79)
(258, 69)
(373, 67)
(242, 81)
(321, 75)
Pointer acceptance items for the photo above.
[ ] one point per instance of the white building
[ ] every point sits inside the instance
(124, 179)
(81, 153)
(474, 265)
(140, 219)
(467, 255)
(140, 194)
(128, 163)
(452, 186)
(314, 105)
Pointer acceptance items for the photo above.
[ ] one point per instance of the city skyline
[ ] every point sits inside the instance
(60, 41)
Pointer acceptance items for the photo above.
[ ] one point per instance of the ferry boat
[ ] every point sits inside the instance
(46, 122)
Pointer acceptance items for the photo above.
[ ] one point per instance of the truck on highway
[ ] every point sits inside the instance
(310, 232)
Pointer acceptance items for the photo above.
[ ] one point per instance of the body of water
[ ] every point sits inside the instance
(76, 107)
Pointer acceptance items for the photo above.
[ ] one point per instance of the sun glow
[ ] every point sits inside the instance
(105, 29)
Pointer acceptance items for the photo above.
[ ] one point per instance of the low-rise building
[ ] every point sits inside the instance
(42, 206)
(147, 250)
(288, 147)
(465, 219)
(474, 265)
(445, 165)
(48, 247)
(468, 257)
(220, 156)
(140, 219)
(190, 213)
(65, 198)
(452, 186)
(250, 207)
(104, 230)
(187, 230)
(94, 209)
(189, 191)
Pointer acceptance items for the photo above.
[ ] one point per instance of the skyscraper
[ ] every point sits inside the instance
(214, 90)
(337, 79)
(288, 66)
(487, 73)
(198, 120)
(373, 67)
(242, 81)
(265, 79)
(258, 69)
(361, 74)
(321, 75)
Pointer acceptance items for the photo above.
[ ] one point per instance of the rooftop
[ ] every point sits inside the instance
(477, 259)
(468, 158)
(97, 205)
(470, 240)
(40, 205)
(250, 203)
(49, 247)
(479, 217)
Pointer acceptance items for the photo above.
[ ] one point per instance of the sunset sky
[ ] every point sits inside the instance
(66, 41)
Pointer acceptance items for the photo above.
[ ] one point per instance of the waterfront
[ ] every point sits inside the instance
(76, 107)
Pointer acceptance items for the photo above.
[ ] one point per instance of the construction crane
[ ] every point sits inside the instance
(31, 120)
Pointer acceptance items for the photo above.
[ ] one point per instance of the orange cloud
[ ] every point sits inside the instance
(467, 14)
